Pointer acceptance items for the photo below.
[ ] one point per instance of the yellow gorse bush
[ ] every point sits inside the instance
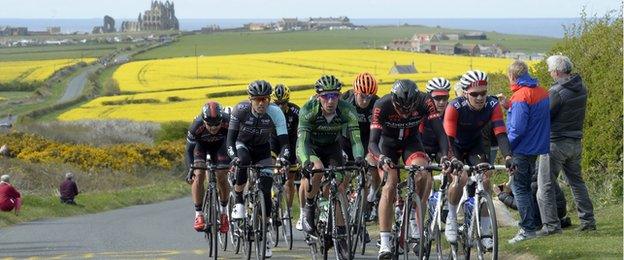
(38, 70)
(191, 78)
(123, 157)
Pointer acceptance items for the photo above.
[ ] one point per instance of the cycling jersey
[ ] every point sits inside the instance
(199, 141)
(364, 115)
(251, 129)
(318, 131)
(389, 125)
(292, 120)
(464, 125)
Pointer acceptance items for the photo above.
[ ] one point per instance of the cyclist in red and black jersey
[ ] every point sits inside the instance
(438, 89)
(464, 120)
(394, 134)
(207, 136)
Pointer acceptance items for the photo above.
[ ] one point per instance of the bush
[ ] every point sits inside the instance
(175, 99)
(111, 88)
(130, 101)
(171, 131)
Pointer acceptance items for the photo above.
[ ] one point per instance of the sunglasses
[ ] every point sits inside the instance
(365, 96)
(477, 94)
(212, 124)
(260, 99)
(440, 98)
(331, 95)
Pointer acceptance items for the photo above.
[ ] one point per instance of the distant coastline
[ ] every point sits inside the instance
(549, 27)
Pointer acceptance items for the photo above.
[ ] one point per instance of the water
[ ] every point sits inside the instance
(550, 27)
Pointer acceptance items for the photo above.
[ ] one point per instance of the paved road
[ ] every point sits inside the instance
(156, 231)
(76, 84)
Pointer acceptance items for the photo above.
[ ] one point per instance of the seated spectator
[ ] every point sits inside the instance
(10, 198)
(68, 189)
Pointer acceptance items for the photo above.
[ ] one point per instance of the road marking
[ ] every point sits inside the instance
(88, 255)
(199, 252)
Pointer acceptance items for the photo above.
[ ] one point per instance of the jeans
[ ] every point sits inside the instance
(547, 189)
(521, 188)
(565, 154)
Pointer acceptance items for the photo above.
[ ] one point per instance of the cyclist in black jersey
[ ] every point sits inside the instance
(281, 96)
(394, 134)
(363, 97)
(251, 125)
(206, 136)
(438, 89)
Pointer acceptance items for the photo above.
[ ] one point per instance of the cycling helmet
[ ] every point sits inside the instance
(404, 94)
(259, 88)
(211, 113)
(438, 86)
(327, 83)
(365, 83)
(281, 93)
(473, 78)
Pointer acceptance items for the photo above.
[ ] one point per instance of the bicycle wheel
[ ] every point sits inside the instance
(412, 239)
(342, 207)
(207, 211)
(276, 218)
(233, 233)
(486, 205)
(222, 237)
(286, 212)
(259, 226)
(214, 227)
(248, 232)
(355, 212)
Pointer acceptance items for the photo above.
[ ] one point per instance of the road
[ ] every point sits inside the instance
(156, 231)
(76, 84)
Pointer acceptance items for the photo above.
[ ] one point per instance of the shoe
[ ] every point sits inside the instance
(269, 244)
(200, 224)
(385, 252)
(413, 229)
(224, 226)
(521, 236)
(587, 227)
(547, 232)
(565, 222)
(307, 222)
(451, 230)
(299, 226)
(343, 249)
(239, 211)
(488, 243)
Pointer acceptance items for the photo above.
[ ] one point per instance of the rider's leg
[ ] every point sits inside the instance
(310, 203)
(289, 188)
(241, 181)
(386, 203)
(422, 181)
(197, 188)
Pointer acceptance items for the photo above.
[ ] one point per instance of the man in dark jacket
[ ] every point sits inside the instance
(568, 101)
(68, 189)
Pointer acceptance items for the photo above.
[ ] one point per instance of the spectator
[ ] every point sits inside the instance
(10, 198)
(528, 128)
(567, 112)
(68, 189)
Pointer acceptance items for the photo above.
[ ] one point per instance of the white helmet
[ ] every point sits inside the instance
(473, 78)
(438, 84)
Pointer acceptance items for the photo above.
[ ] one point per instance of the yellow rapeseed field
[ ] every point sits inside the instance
(37, 70)
(191, 78)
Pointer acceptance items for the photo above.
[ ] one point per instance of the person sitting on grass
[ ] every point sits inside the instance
(10, 198)
(68, 189)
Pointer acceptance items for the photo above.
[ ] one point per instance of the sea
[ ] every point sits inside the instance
(548, 27)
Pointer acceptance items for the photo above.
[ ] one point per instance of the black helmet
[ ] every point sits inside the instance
(259, 88)
(211, 113)
(404, 94)
(327, 83)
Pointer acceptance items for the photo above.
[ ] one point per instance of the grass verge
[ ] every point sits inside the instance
(41, 207)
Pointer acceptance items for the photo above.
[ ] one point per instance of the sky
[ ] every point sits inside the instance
(223, 9)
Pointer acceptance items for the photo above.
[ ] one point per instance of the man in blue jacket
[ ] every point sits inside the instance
(528, 129)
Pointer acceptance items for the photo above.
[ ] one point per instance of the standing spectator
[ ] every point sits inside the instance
(528, 128)
(567, 112)
(10, 198)
(68, 189)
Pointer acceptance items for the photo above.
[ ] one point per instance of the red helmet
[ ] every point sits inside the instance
(365, 83)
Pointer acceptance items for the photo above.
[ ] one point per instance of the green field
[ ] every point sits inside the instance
(59, 52)
(375, 37)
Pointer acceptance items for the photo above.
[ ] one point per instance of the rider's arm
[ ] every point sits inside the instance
(353, 130)
(450, 125)
(190, 144)
(498, 126)
(233, 128)
(281, 130)
(304, 129)
(375, 132)
(444, 142)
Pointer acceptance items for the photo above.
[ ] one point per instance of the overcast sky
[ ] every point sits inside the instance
(307, 8)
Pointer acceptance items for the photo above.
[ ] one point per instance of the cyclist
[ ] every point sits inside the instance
(438, 89)
(249, 131)
(363, 96)
(281, 97)
(321, 122)
(464, 120)
(394, 134)
(207, 136)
